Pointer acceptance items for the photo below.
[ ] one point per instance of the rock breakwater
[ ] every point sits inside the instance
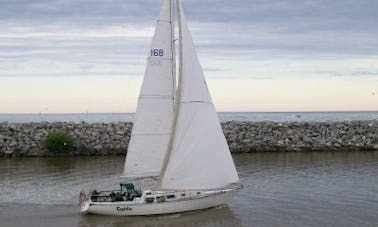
(301, 136)
(25, 139)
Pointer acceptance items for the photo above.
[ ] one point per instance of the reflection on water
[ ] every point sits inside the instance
(65, 215)
(280, 189)
(219, 216)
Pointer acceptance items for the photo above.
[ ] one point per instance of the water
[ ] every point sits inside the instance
(224, 116)
(280, 189)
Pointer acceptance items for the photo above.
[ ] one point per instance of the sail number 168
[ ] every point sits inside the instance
(157, 52)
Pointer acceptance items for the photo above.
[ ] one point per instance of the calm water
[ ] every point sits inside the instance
(280, 189)
(224, 116)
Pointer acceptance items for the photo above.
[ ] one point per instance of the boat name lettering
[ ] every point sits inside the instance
(124, 208)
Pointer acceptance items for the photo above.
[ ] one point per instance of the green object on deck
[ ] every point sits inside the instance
(128, 186)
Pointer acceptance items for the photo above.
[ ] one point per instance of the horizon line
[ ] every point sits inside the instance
(305, 111)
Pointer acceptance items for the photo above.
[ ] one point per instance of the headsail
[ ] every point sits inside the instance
(152, 126)
(200, 158)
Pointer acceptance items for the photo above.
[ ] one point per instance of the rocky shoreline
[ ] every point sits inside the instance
(25, 139)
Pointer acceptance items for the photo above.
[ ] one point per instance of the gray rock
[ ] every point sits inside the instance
(24, 139)
(8, 152)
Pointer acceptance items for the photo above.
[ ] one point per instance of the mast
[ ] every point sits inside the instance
(173, 49)
(177, 99)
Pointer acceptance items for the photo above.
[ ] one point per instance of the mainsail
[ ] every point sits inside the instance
(154, 115)
(199, 158)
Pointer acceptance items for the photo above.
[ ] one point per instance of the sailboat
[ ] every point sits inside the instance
(177, 144)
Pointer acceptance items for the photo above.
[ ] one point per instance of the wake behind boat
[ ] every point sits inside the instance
(176, 138)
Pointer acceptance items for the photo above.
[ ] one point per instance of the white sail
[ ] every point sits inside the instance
(178, 138)
(154, 115)
(200, 158)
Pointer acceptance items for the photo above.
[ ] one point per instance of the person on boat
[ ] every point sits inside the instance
(112, 194)
(94, 195)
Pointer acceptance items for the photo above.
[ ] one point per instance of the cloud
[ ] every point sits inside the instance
(77, 12)
(206, 69)
(88, 36)
(255, 42)
(372, 73)
(59, 32)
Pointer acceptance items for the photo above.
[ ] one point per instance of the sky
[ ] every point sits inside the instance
(79, 56)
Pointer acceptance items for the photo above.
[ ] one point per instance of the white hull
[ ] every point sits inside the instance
(133, 208)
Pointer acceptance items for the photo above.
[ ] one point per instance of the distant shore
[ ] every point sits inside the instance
(25, 139)
(223, 116)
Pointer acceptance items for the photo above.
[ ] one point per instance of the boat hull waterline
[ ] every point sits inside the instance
(167, 207)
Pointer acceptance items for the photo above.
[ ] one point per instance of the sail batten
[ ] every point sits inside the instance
(155, 97)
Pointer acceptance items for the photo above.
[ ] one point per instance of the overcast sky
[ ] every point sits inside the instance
(278, 55)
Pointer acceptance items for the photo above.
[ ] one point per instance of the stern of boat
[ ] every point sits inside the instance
(83, 202)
